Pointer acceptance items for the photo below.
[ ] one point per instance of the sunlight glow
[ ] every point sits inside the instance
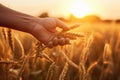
(80, 9)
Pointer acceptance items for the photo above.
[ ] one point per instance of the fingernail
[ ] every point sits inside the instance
(50, 44)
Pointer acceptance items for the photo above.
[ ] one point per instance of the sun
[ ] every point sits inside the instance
(80, 9)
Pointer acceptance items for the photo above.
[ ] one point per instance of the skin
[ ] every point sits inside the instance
(44, 29)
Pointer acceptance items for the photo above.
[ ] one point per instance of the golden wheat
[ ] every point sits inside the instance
(107, 54)
(64, 71)
(21, 46)
(23, 66)
(91, 67)
(69, 61)
(85, 52)
(82, 72)
(76, 62)
(50, 72)
(10, 39)
(4, 34)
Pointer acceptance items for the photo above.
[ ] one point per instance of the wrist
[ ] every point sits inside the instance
(30, 25)
(35, 24)
(26, 23)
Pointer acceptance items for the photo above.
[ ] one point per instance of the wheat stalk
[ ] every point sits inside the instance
(23, 66)
(50, 72)
(91, 67)
(46, 57)
(36, 72)
(39, 49)
(38, 45)
(82, 71)
(69, 61)
(39, 53)
(64, 71)
(21, 46)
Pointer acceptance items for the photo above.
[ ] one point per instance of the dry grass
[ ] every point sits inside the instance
(94, 54)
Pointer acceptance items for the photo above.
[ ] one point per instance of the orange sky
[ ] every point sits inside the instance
(104, 8)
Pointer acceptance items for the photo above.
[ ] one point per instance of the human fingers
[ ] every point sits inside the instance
(67, 41)
(64, 41)
(58, 41)
(55, 41)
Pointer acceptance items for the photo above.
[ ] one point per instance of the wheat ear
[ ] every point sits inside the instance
(10, 39)
(4, 33)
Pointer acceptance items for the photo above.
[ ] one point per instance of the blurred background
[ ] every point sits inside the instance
(105, 9)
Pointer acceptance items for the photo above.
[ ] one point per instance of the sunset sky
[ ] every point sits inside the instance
(106, 9)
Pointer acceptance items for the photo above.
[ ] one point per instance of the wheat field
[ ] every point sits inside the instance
(93, 54)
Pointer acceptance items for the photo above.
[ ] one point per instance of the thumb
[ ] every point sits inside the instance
(62, 25)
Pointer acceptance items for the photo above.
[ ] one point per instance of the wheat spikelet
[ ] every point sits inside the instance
(4, 33)
(74, 26)
(50, 72)
(71, 35)
(5, 50)
(83, 58)
(85, 51)
(106, 60)
(74, 34)
(10, 39)
(107, 54)
(64, 71)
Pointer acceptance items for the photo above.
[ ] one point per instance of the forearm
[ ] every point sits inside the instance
(15, 20)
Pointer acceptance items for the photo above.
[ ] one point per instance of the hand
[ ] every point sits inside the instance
(45, 31)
